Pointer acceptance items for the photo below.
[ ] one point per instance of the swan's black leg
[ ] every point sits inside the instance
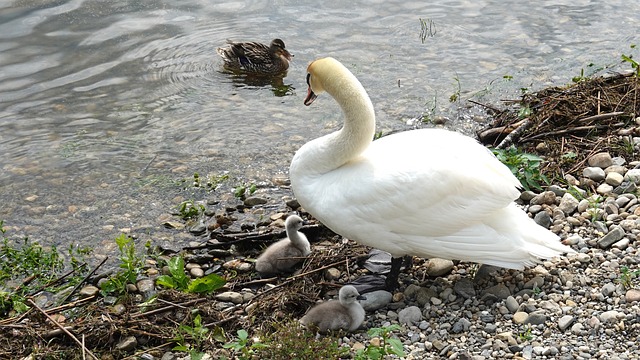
(391, 282)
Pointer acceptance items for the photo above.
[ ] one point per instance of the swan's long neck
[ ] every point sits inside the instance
(334, 150)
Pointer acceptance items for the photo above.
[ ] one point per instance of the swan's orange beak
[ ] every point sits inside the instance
(310, 97)
(310, 94)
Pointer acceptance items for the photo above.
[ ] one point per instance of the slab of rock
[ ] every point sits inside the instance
(410, 315)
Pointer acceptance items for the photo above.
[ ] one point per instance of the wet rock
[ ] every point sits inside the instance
(438, 267)
(410, 315)
(198, 229)
(376, 300)
(238, 265)
(173, 225)
(254, 201)
(196, 272)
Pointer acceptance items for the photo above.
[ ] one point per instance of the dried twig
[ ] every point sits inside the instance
(84, 349)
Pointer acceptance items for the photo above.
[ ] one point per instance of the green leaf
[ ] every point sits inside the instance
(243, 335)
(206, 284)
(396, 347)
(166, 281)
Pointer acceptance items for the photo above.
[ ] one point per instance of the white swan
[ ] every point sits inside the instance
(283, 255)
(346, 313)
(427, 193)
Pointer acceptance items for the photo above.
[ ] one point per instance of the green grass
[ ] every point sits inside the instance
(27, 268)
(177, 279)
(525, 167)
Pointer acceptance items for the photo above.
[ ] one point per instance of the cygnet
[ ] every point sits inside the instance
(283, 255)
(345, 313)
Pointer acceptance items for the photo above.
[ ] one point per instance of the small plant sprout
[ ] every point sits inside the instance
(179, 280)
(525, 167)
(525, 335)
(196, 333)
(190, 210)
(243, 347)
(130, 264)
(381, 344)
(626, 276)
(245, 189)
(456, 94)
(634, 64)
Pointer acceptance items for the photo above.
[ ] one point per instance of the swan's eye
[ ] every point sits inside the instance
(308, 77)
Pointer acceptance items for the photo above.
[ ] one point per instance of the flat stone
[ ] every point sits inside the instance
(512, 304)
(438, 267)
(594, 173)
(376, 300)
(464, 287)
(410, 315)
(611, 237)
(610, 316)
(602, 160)
(255, 200)
(230, 296)
(565, 321)
(88, 291)
(145, 285)
(501, 291)
(461, 325)
(633, 176)
(546, 197)
(332, 274)
(536, 282)
(568, 204)
(127, 344)
(608, 289)
(577, 328)
(520, 317)
(614, 179)
(536, 318)
(424, 296)
(632, 295)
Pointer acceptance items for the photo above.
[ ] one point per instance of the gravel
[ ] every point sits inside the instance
(584, 306)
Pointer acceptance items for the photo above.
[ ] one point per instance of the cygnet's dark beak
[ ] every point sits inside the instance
(361, 297)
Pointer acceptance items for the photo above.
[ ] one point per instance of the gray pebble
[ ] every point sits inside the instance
(376, 300)
(410, 315)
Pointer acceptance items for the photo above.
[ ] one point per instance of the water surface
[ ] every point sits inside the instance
(103, 104)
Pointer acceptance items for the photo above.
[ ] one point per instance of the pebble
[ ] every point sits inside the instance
(437, 267)
(376, 300)
(230, 296)
(410, 315)
(565, 321)
(632, 295)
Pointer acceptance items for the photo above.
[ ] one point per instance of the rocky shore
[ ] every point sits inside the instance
(583, 306)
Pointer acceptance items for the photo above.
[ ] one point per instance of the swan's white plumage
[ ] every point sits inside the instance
(428, 193)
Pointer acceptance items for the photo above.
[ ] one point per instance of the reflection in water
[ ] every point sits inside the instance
(103, 104)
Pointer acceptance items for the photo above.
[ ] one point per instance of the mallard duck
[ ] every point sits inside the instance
(430, 193)
(345, 313)
(254, 57)
(283, 255)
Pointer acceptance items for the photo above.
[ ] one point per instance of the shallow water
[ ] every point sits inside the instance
(104, 104)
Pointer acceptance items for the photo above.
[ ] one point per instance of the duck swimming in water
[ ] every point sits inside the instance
(431, 193)
(256, 58)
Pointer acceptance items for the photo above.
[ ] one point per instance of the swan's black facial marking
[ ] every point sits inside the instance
(311, 96)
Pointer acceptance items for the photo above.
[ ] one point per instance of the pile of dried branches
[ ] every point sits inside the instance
(567, 124)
